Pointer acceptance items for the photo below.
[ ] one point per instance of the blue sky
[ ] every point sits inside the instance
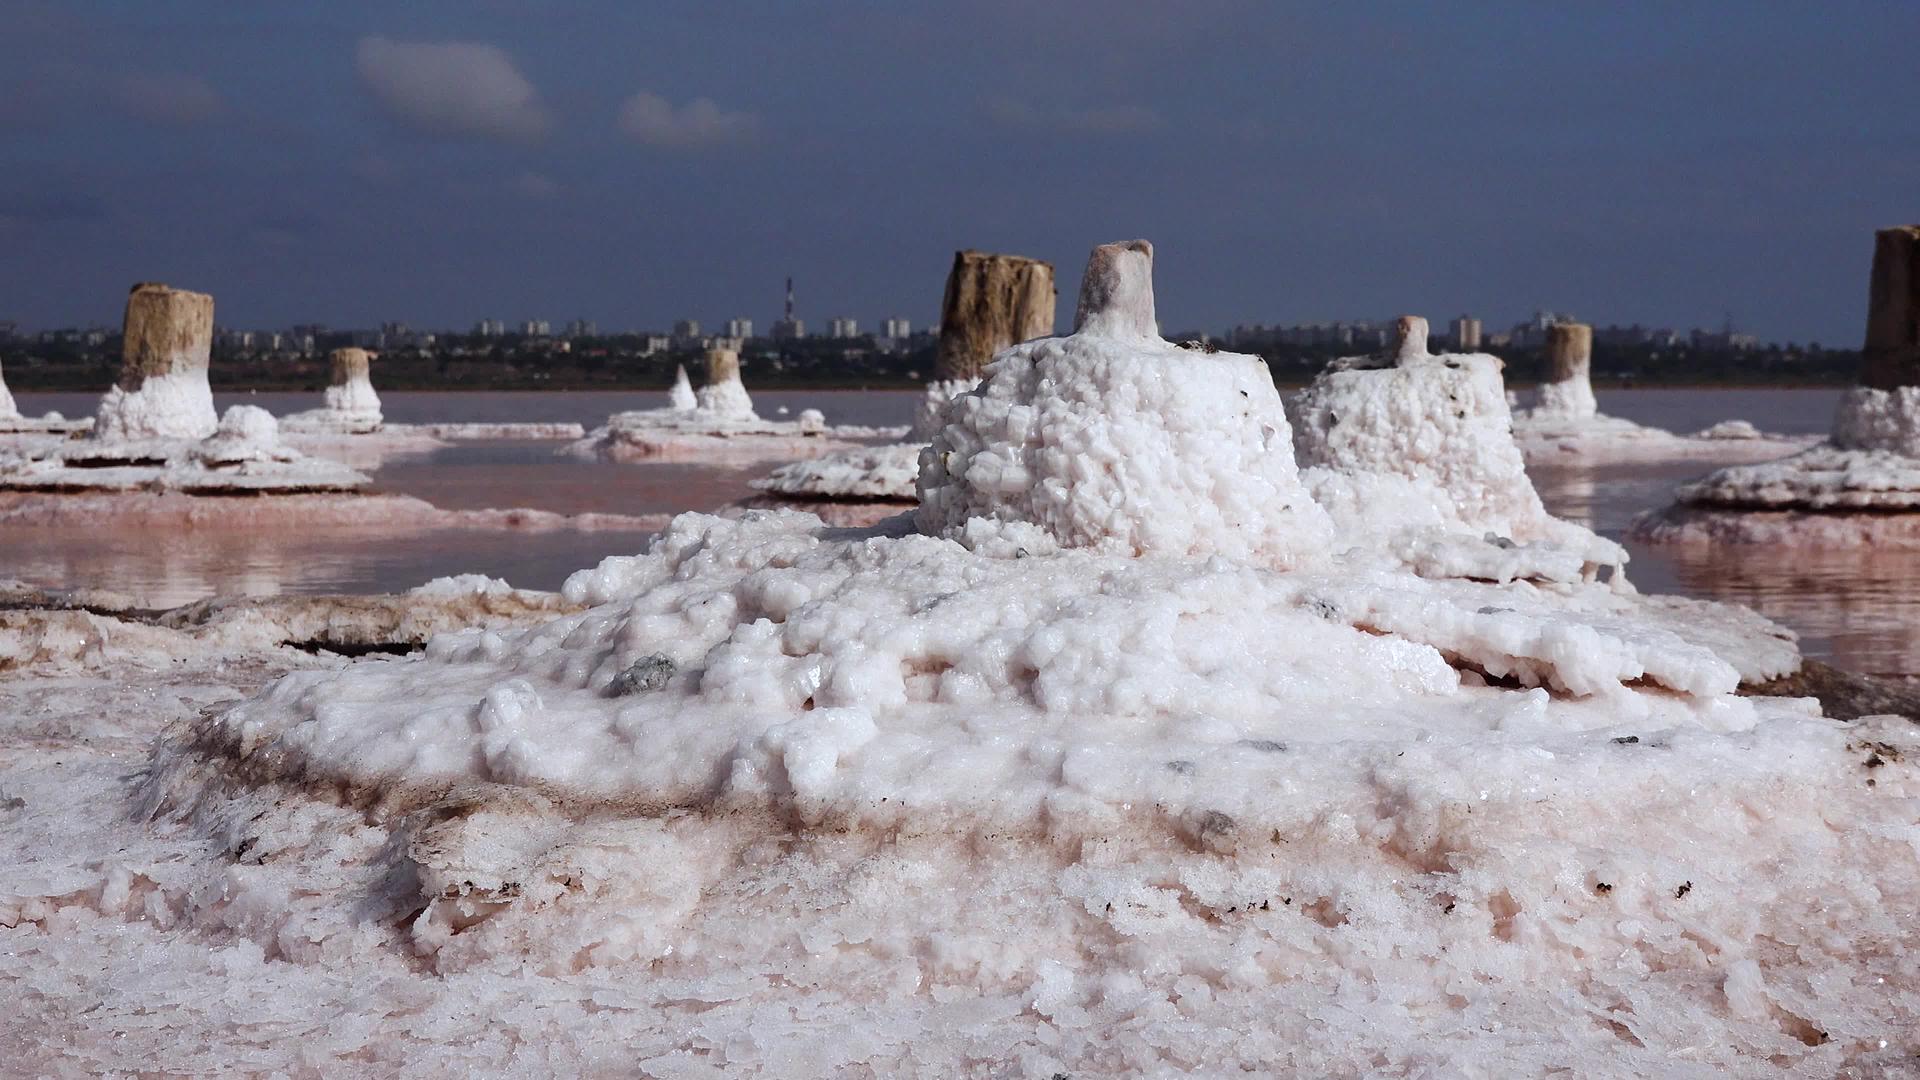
(635, 163)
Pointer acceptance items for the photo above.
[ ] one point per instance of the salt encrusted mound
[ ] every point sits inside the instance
(352, 406)
(721, 423)
(1862, 486)
(681, 397)
(1115, 440)
(12, 423)
(789, 800)
(884, 474)
(243, 455)
(1414, 451)
(1565, 418)
(163, 391)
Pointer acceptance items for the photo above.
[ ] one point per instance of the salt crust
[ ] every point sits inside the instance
(174, 405)
(1636, 882)
(1612, 439)
(374, 512)
(882, 473)
(242, 455)
(1688, 905)
(1861, 487)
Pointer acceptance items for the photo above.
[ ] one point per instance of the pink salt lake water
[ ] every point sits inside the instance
(1859, 609)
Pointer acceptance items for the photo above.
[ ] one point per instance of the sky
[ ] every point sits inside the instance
(636, 163)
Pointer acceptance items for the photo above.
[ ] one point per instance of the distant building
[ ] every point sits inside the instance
(740, 328)
(1465, 332)
(896, 328)
(843, 328)
(789, 330)
(654, 343)
(536, 328)
(686, 329)
(582, 328)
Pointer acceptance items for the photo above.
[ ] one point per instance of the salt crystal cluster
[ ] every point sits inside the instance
(681, 397)
(1137, 770)
(1861, 486)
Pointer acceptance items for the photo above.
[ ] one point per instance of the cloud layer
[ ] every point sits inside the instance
(655, 121)
(457, 88)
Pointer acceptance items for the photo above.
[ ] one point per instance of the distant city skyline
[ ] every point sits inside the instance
(353, 162)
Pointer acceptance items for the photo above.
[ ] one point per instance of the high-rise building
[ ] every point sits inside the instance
(896, 328)
(1465, 332)
(582, 328)
(686, 329)
(536, 328)
(489, 328)
(740, 328)
(843, 328)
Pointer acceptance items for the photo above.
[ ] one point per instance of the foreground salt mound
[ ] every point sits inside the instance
(1413, 451)
(1056, 792)
(1859, 488)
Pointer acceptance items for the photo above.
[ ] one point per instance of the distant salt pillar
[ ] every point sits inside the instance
(1892, 350)
(1409, 339)
(724, 394)
(163, 391)
(992, 302)
(1883, 413)
(1568, 391)
(1116, 293)
(351, 387)
(8, 410)
(680, 398)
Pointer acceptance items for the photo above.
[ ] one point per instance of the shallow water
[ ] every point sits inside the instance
(1859, 609)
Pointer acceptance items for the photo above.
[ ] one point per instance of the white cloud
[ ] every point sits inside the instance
(167, 98)
(652, 119)
(535, 186)
(452, 88)
(1104, 120)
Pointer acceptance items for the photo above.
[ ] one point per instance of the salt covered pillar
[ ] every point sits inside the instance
(1568, 390)
(723, 365)
(1409, 339)
(724, 394)
(1883, 412)
(1892, 353)
(1116, 292)
(350, 389)
(163, 391)
(992, 301)
(8, 410)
